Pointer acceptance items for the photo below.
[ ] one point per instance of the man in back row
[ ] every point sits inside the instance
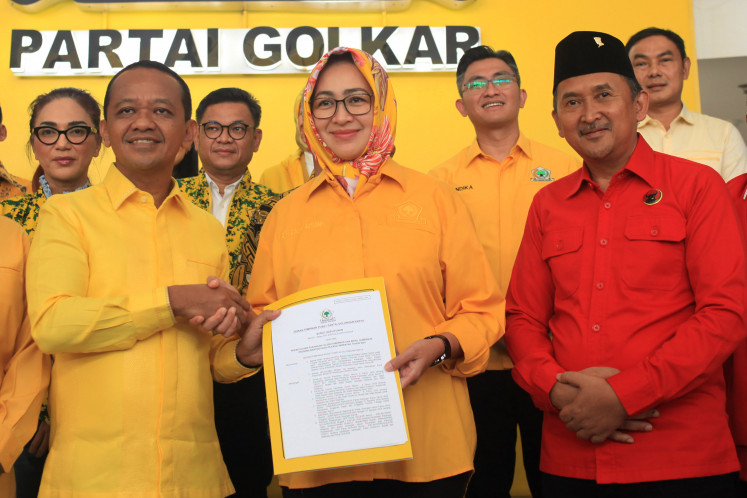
(228, 135)
(661, 67)
(497, 176)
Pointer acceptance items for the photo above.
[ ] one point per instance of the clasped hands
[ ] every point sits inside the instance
(215, 306)
(218, 307)
(589, 406)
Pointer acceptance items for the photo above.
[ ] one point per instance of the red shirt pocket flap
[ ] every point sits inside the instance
(562, 241)
(663, 228)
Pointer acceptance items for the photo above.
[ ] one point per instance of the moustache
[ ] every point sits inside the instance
(592, 128)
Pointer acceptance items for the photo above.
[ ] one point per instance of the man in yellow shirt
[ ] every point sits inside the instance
(116, 286)
(497, 176)
(24, 370)
(661, 67)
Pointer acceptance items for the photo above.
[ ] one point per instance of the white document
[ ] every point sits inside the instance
(333, 392)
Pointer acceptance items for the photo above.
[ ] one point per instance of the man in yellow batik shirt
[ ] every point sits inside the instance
(497, 176)
(228, 135)
(117, 287)
(24, 370)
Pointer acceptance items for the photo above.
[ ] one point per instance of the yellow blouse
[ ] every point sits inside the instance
(416, 233)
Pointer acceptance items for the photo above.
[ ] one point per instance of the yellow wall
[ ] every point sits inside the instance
(429, 127)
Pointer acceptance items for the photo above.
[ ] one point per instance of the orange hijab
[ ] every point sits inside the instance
(381, 142)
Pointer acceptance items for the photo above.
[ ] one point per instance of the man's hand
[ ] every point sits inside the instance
(215, 305)
(596, 412)
(563, 394)
(249, 349)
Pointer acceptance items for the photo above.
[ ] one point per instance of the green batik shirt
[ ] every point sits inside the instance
(241, 219)
(24, 209)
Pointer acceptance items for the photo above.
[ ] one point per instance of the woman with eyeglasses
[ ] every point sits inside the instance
(64, 139)
(367, 216)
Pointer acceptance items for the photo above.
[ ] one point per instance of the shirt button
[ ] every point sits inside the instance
(607, 205)
(603, 242)
(600, 285)
(144, 198)
(595, 327)
(654, 232)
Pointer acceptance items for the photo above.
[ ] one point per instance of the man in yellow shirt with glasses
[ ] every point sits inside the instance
(497, 176)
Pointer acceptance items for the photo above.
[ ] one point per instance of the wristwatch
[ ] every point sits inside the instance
(447, 349)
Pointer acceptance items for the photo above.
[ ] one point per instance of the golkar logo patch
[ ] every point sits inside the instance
(541, 174)
(409, 212)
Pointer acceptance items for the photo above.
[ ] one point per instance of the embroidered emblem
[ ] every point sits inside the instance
(652, 197)
(598, 40)
(409, 212)
(541, 175)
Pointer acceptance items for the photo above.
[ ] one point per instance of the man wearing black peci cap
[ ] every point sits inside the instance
(626, 297)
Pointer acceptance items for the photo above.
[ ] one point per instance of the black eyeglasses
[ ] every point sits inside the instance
(213, 129)
(356, 104)
(76, 135)
(502, 80)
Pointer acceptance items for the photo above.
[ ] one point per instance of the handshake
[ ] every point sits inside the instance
(218, 307)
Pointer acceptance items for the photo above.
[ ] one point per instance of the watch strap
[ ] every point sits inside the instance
(447, 349)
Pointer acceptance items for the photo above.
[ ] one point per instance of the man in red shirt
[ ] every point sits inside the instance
(626, 297)
(735, 368)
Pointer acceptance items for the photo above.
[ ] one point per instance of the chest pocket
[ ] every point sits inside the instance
(561, 250)
(195, 268)
(654, 252)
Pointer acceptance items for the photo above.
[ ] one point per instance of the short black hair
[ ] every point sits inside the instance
(186, 96)
(236, 95)
(479, 53)
(645, 33)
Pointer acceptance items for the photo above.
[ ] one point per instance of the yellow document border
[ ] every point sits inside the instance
(331, 460)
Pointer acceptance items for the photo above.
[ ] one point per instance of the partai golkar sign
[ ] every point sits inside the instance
(211, 51)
